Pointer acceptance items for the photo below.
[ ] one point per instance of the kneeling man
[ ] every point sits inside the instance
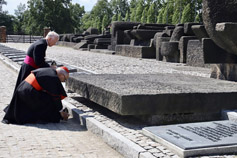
(38, 98)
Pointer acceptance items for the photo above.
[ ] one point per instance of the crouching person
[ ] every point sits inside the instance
(38, 98)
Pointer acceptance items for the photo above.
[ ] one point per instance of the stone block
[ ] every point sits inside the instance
(143, 34)
(157, 44)
(213, 54)
(155, 94)
(177, 34)
(218, 12)
(82, 44)
(170, 51)
(195, 55)
(188, 28)
(200, 32)
(136, 51)
(183, 42)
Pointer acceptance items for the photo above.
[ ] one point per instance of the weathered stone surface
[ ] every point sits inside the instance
(227, 32)
(82, 44)
(170, 51)
(150, 94)
(214, 54)
(195, 55)
(92, 30)
(200, 32)
(118, 35)
(102, 41)
(136, 51)
(196, 139)
(183, 42)
(177, 34)
(224, 72)
(142, 34)
(188, 28)
(157, 45)
(217, 12)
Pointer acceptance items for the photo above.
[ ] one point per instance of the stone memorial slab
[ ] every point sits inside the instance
(156, 94)
(196, 139)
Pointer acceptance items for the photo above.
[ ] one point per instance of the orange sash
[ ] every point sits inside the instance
(31, 79)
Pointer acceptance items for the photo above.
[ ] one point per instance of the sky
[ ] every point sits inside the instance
(12, 4)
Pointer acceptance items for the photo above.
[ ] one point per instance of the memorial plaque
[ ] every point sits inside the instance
(192, 139)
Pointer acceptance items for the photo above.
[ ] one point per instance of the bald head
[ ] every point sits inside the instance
(63, 75)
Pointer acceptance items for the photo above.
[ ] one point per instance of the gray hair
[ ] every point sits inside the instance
(53, 35)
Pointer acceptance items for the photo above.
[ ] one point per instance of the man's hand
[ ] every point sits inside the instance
(64, 115)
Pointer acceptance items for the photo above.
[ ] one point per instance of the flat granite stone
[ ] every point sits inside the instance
(152, 94)
(195, 139)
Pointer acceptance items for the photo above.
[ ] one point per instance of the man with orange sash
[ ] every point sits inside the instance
(38, 98)
(35, 57)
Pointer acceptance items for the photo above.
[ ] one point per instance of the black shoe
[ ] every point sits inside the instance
(5, 121)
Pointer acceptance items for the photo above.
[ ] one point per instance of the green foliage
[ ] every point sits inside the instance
(76, 12)
(151, 14)
(175, 17)
(144, 16)
(18, 27)
(187, 14)
(7, 20)
(114, 18)
(168, 13)
(160, 16)
(105, 22)
(65, 17)
(119, 17)
(127, 17)
(133, 15)
(139, 10)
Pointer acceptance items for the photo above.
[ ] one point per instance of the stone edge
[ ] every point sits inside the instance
(115, 140)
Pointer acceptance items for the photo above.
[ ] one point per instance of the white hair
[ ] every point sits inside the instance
(53, 35)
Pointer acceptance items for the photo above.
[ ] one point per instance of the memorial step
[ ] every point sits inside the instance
(157, 94)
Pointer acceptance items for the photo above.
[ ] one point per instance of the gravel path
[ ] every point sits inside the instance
(113, 64)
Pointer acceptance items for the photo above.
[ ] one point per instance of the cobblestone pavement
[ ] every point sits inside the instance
(112, 64)
(66, 139)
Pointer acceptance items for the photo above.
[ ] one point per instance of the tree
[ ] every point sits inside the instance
(119, 6)
(119, 17)
(105, 22)
(160, 16)
(187, 15)
(7, 20)
(114, 18)
(127, 18)
(54, 14)
(175, 18)
(144, 16)
(151, 14)
(76, 12)
(19, 17)
(139, 10)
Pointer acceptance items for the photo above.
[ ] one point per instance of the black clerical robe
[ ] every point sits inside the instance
(37, 101)
(36, 53)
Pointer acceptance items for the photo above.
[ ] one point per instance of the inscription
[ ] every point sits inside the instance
(178, 135)
(213, 134)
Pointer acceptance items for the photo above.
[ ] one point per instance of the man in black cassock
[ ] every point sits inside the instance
(38, 98)
(35, 57)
